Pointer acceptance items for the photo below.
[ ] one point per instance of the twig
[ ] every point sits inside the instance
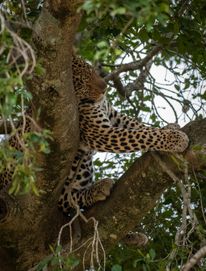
(21, 47)
(180, 237)
(195, 259)
(24, 11)
(134, 65)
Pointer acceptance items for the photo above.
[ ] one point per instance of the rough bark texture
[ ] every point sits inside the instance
(30, 224)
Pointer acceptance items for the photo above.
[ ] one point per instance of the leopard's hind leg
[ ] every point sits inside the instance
(79, 188)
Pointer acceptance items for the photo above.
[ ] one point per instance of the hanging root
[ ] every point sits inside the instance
(93, 245)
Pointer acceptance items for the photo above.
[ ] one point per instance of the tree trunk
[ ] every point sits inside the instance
(30, 223)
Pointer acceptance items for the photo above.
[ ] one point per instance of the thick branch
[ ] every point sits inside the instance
(139, 189)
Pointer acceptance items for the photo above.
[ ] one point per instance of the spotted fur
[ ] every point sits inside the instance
(101, 129)
(104, 129)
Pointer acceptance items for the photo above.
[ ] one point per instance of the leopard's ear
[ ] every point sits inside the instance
(97, 83)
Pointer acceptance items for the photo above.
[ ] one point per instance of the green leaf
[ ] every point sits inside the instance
(88, 6)
(120, 10)
(102, 44)
(152, 253)
(43, 263)
(164, 7)
(71, 262)
(116, 267)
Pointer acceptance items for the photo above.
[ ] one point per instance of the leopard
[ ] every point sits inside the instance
(104, 129)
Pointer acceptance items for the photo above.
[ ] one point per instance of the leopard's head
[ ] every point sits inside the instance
(87, 83)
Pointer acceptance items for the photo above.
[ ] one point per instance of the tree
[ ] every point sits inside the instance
(124, 41)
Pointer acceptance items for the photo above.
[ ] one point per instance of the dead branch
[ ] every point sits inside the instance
(125, 91)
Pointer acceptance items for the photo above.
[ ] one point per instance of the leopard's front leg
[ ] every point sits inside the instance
(120, 120)
(117, 140)
(101, 134)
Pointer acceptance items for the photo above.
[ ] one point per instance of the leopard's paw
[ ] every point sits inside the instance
(178, 140)
(102, 189)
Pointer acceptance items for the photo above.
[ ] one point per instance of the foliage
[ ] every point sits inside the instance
(22, 163)
(17, 62)
(129, 36)
(58, 262)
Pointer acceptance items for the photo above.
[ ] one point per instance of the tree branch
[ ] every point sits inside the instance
(201, 253)
(138, 191)
(134, 65)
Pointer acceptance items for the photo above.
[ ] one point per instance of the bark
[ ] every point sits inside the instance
(53, 93)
